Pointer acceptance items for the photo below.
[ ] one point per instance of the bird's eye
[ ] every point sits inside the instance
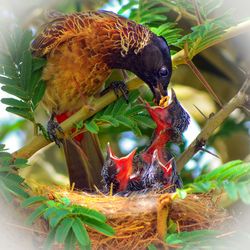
(163, 71)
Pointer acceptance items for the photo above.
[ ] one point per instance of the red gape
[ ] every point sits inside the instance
(117, 170)
(155, 167)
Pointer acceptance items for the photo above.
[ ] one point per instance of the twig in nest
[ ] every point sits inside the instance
(239, 100)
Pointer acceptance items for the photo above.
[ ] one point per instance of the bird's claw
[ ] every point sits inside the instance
(119, 87)
(52, 127)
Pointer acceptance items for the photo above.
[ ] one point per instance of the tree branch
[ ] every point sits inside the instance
(214, 122)
(38, 142)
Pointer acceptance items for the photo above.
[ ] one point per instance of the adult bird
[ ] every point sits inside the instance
(81, 51)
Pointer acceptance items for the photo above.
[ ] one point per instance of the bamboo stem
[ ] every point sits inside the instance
(38, 142)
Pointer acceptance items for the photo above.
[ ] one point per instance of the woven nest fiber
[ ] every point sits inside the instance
(138, 219)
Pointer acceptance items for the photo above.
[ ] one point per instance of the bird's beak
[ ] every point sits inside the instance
(159, 92)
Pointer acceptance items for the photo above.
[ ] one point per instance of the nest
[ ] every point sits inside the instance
(138, 219)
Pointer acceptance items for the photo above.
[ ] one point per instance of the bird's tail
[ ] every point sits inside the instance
(84, 160)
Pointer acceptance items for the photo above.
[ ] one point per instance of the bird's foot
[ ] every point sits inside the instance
(52, 128)
(119, 87)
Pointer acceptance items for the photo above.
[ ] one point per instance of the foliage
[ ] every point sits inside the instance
(198, 239)
(67, 222)
(232, 177)
(10, 182)
(153, 14)
(130, 115)
(21, 74)
(206, 34)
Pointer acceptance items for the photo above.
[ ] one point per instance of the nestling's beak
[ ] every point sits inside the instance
(123, 165)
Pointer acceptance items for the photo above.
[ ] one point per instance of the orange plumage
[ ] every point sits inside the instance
(80, 49)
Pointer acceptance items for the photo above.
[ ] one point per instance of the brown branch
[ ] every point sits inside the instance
(203, 80)
(214, 122)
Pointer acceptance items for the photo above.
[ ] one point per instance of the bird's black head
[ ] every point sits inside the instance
(153, 65)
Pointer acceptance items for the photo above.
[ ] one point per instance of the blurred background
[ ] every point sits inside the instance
(219, 64)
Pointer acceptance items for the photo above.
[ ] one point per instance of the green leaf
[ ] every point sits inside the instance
(33, 84)
(128, 6)
(109, 119)
(39, 92)
(20, 112)
(145, 121)
(213, 175)
(15, 103)
(244, 192)
(5, 155)
(125, 121)
(135, 110)
(5, 192)
(99, 226)
(50, 239)
(172, 226)
(152, 247)
(133, 96)
(201, 187)
(231, 190)
(181, 193)
(21, 163)
(38, 63)
(63, 229)
(65, 201)
(173, 239)
(193, 236)
(58, 216)
(36, 214)
(50, 212)
(16, 189)
(26, 69)
(5, 169)
(93, 214)
(14, 178)
(24, 44)
(119, 107)
(8, 81)
(16, 91)
(80, 232)
(92, 127)
(32, 200)
(70, 241)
